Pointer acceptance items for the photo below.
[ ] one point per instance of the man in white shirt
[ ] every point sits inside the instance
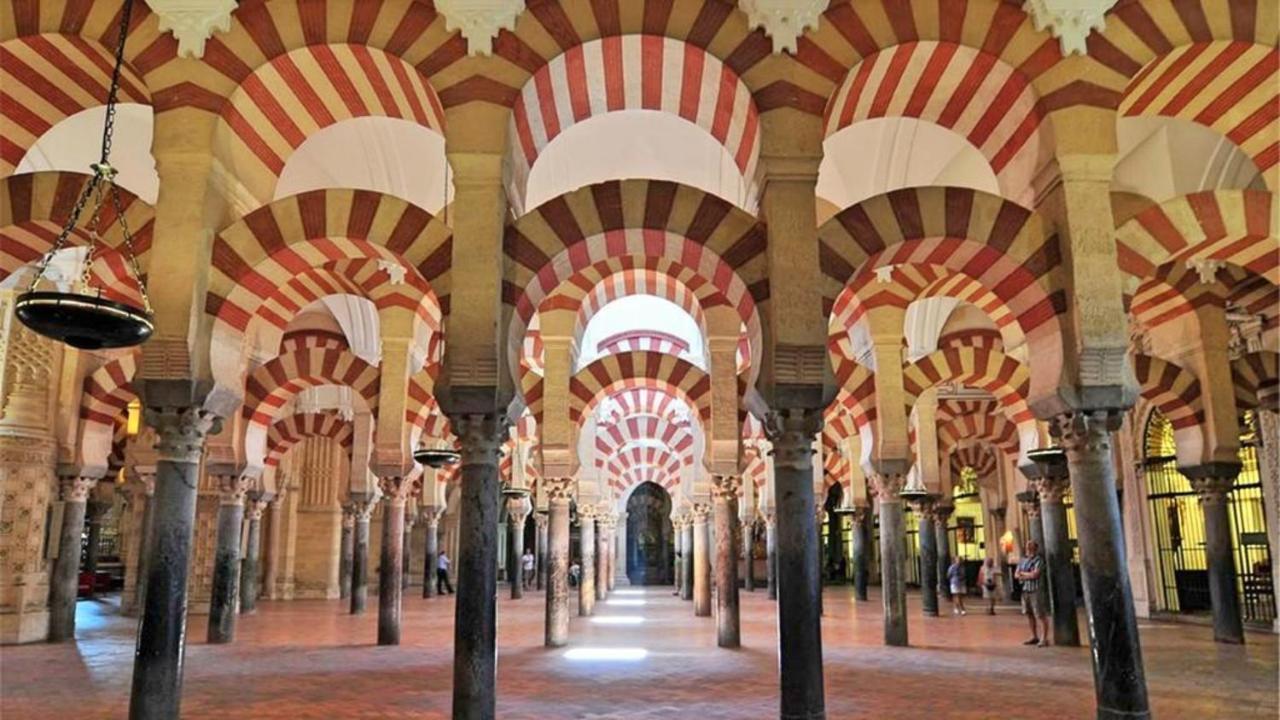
(442, 574)
(527, 564)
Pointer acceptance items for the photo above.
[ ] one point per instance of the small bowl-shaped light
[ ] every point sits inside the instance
(436, 457)
(87, 322)
(1047, 455)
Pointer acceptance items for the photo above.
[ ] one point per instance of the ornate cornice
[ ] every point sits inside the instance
(1070, 21)
(784, 21)
(193, 21)
(480, 20)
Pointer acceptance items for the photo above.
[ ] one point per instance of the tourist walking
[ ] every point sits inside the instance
(527, 565)
(1029, 573)
(989, 577)
(442, 574)
(955, 582)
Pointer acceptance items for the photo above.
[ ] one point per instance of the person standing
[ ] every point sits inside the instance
(990, 579)
(527, 566)
(1029, 573)
(955, 582)
(442, 574)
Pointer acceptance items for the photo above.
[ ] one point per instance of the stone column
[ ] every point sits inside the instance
(893, 553)
(518, 509)
(540, 520)
(941, 516)
(181, 428)
(475, 616)
(407, 552)
(1051, 486)
(771, 554)
(686, 583)
(604, 553)
(748, 555)
(145, 489)
(701, 560)
(587, 546)
(861, 537)
(1119, 679)
(1212, 483)
(798, 573)
(431, 551)
(618, 541)
(559, 491)
(94, 513)
(252, 551)
(928, 537)
(363, 505)
(677, 567)
(395, 494)
(64, 585)
(347, 550)
(226, 561)
(724, 502)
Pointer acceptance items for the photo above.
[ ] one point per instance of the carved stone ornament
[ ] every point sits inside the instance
(1206, 268)
(784, 21)
(180, 432)
(480, 20)
(1070, 21)
(193, 21)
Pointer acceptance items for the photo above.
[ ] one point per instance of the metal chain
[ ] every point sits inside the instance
(61, 240)
(128, 246)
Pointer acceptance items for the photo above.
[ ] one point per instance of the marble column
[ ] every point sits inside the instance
(475, 616)
(587, 563)
(686, 585)
(395, 491)
(518, 509)
(861, 537)
(363, 505)
(941, 517)
(431, 549)
(928, 538)
(226, 561)
(701, 560)
(1120, 681)
(181, 427)
(146, 494)
(540, 520)
(410, 513)
(64, 585)
(559, 490)
(724, 503)
(771, 554)
(1212, 483)
(748, 555)
(94, 514)
(346, 549)
(618, 563)
(893, 553)
(1051, 486)
(798, 564)
(257, 502)
(603, 554)
(677, 529)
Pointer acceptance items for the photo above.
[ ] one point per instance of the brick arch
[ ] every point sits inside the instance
(973, 93)
(977, 456)
(963, 421)
(600, 229)
(50, 76)
(634, 455)
(636, 428)
(633, 72)
(1177, 290)
(289, 431)
(611, 373)
(1171, 388)
(296, 94)
(641, 474)
(1252, 374)
(995, 372)
(639, 401)
(104, 399)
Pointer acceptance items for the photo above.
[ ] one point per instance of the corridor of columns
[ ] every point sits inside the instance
(613, 358)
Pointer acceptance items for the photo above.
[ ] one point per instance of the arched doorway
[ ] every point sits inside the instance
(649, 536)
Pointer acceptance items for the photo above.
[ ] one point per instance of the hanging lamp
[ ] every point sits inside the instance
(436, 457)
(83, 317)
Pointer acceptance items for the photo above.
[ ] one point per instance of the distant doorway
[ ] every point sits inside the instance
(650, 539)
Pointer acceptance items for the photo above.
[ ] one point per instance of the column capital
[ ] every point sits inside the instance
(726, 487)
(541, 520)
(1212, 481)
(1030, 502)
(559, 489)
(792, 430)
(253, 509)
(362, 507)
(887, 486)
(481, 436)
(701, 512)
(518, 508)
(1083, 431)
(396, 489)
(924, 505)
(233, 488)
(587, 513)
(181, 431)
(76, 488)
(348, 515)
(942, 511)
(431, 515)
(1051, 488)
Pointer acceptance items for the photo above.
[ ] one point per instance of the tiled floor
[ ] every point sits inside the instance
(312, 660)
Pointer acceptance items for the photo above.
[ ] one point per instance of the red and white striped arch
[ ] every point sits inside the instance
(637, 455)
(1002, 376)
(641, 428)
(46, 78)
(757, 471)
(972, 337)
(641, 474)
(104, 401)
(1256, 377)
(1172, 388)
(289, 431)
(295, 95)
(1178, 289)
(639, 401)
(970, 92)
(612, 373)
(978, 457)
(963, 421)
(295, 340)
(1228, 86)
(633, 72)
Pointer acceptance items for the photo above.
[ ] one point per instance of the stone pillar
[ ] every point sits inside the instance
(94, 513)
(724, 502)
(677, 529)
(431, 551)
(928, 537)
(941, 516)
(406, 554)
(861, 536)
(347, 550)
(748, 555)
(252, 551)
(798, 564)
(1119, 679)
(518, 509)
(893, 553)
(559, 491)
(395, 494)
(1212, 483)
(618, 541)
(587, 546)
(771, 554)
(1051, 486)
(64, 585)
(362, 505)
(540, 520)
(686, 584)
(701, 560)
(604, 553)
(475, 616)
(136, 568)
(181, 428)
(226, 562)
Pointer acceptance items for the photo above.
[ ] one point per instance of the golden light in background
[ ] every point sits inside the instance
(134, 421)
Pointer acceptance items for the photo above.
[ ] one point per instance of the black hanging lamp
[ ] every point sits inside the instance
(436, 457)
(83, 317)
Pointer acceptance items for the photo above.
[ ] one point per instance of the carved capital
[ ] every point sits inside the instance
(1086, 431)
(76, 488)
(1051, 489)
(481, 436)
(1212, 481)
(193, 21)
(348, 516)
(792, 430)
(887, 486)
(362, 508)
(233, 488)
(181, 431)
(431, 515)
(395, 489)
(784, 21)
(924, 504)
(701, 512)
(587, 513)
(726, 487)
(1070, 21)
(1030, 502)
(541, 520)
(559, 489)
(253, 509)
(518, 509)
(480, 20)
